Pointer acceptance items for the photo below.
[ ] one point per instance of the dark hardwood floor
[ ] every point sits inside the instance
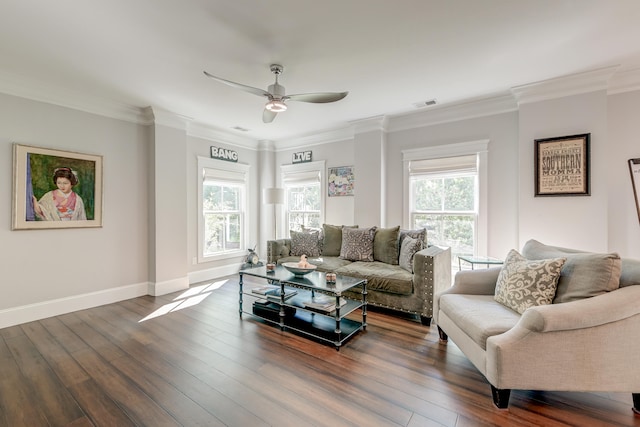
(188, 359)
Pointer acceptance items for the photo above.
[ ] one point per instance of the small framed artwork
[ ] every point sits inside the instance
(562, 166)
(634, 169)
(55, 189)
(341, 181)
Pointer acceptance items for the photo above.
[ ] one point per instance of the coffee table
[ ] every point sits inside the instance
(293, 313)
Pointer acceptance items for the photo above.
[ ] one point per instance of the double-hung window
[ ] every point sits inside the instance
(222, 223)
(445, 196)
(304, 195)
(443, 200)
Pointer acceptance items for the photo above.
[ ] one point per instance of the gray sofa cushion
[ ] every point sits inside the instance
(480, 316)
(630, 274)
(381, 276)
(584, 275)
(385, 245)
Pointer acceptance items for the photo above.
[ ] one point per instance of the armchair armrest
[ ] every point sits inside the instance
(475, 282)
(470, 282)
(586, 313)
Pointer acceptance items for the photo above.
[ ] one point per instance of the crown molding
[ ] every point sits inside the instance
(464, 110)
(326, 137)
(624, 81)
(167, 118)
(370, 124)
(14, 85)
(210, 133)
(574, 84)
(266, 145)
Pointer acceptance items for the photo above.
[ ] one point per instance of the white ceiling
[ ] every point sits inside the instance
(389, 54)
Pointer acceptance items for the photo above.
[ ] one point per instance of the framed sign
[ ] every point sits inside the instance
(562, 166)
(634, 169)
(55, 189)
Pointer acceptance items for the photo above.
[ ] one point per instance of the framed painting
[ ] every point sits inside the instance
(341, 181)
(634, 169)
(562, 166)
(55, 189)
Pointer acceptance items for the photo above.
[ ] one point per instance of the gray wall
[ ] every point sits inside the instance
(47, 272)
(43, 265)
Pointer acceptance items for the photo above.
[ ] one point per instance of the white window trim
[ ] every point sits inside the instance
(318, 166)
(206, 162)
(479, 148)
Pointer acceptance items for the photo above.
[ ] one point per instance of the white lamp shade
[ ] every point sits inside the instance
(273, 196)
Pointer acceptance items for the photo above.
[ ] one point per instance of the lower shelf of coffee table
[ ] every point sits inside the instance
(308, 323)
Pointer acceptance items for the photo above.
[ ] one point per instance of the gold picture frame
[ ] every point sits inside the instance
(562, 166)
(55, 189)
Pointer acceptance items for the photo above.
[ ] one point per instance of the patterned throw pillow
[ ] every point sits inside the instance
(408, 249)
(305, 243)
(357, 244)
(524, 283)
(419, 234)
(332, 239)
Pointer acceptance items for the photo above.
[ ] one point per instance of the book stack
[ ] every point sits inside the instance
(272, 292)
(324, 303)
(264, 290)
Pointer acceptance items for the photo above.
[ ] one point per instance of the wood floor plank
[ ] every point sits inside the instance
(67, 370)
(188, 358)
(18, 406)
(54, 400)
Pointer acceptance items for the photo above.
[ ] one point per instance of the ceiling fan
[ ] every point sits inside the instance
(275, 94)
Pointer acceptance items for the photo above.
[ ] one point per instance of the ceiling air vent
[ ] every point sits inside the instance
(427, 103)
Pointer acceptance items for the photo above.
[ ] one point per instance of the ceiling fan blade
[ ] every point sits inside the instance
(318, 98)
(246, 88)
(268, 116)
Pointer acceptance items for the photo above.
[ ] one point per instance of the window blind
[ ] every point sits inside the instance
(302, 178)
(446, 165)
(211, 175)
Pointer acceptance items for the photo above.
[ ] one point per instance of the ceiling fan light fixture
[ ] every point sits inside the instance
(276, 106)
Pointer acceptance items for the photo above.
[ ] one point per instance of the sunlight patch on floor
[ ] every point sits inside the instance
(189, 298)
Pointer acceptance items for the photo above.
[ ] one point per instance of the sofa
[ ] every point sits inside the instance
(522, 331)
(403, 272)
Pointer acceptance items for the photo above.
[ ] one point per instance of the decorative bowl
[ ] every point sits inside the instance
(298, 271)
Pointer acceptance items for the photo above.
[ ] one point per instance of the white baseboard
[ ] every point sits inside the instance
(213, 273)
(32, 312)
(42, 310)
(168, 286)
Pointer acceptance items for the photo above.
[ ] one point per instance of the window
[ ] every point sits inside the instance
(304, 195)
(443, 200)
(222, 201)
(445, 194)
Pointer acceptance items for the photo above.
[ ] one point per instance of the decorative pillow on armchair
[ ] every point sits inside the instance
(305, 243)
(357, 244)
(584, 275)
(524, 283)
